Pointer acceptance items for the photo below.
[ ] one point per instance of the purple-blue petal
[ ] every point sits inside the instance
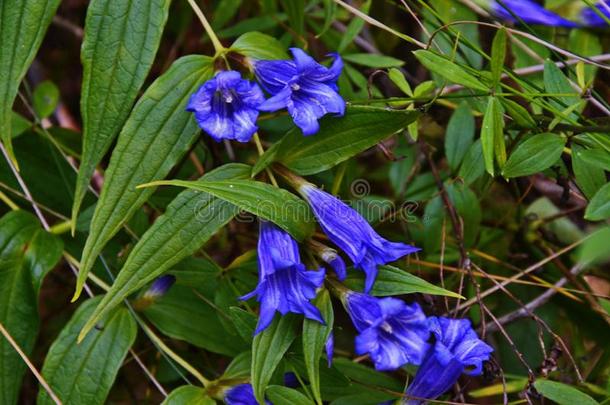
(529, 12)
(591, 17)
(242, 394)
(330, 348)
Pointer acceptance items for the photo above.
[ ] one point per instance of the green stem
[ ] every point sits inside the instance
(207, 27)
(261, 152)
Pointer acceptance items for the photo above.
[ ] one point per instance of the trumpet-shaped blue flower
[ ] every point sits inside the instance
(242, 394)
(529, 12)
(307, 89)
(353, 234)
(456, 349)
(159, 287)
(390, 331)
(226, 106)
(284, 283)
(591, 15)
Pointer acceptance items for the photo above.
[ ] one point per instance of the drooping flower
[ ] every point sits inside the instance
(284, 284)
(529, 12)
(392, 332)
(353, 234)
(330, 257)
(226, 106)
(457, 349)
(306, 88)
(242, 394)
(591, 17)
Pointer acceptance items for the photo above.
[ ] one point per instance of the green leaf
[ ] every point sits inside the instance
(286, 396)
(373, 60)
(83, 373)
(599, 206)
(296, 15)
(239, 366)
(188, 395)
(399, 79)
(330, 11)
(459, 136)
(155, 137)
(596, 157)
(23, 24)
(492, 135)
(120, 43)
(315, 336)
(594, 248)
(261, 199)
(449, 70)
(563, 394)
(518, 113)
(394, 281)
(534, 155)
(268, 348)
(180, 314)
(189, 221)
(555, 82)
(339, 139)
(589, 177)
(353, 28)
(259, 46)
(25, 258)
(244, 321)
(45, 98)
(498, 55)
(473, 165)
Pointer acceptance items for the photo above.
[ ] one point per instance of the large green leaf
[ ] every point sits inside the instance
(563, 394)
(286, 396)
(449, 70)
(155, 137)
(599, 207)
(25, 257)
(268, 348)
(534, 155)
(315, 336)
(394, 281)
(261, 199)
(23, 24)
(188, 395)
(83, 373)
(339, 139)
(121, 40)
(189, 221)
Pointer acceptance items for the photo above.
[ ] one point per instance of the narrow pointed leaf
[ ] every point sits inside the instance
(84, 373)
(155, 137)
(23, 24)
(534, 155)
(599, 206)
(449, 70)
(189, 221)
(563, 394)
(498, 54)
(492, 135)
(120, 43)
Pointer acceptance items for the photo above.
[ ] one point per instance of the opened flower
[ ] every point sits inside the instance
(353, 234)
(392, 332)
(284, 283)
(457, 349)
(226, 107)
(306, 88)
(529, 12)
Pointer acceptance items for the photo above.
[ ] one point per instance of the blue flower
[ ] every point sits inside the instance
(529, 12)
(284, 283)
(306, 88)
(226, 107)
(392, 332)
(591, 17)
(329, 348)
(159, 287)
(456, 349)
(242, 394)
(353, 234)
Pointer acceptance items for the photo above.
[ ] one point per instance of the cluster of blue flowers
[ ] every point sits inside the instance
(530, 12)
(227, 106)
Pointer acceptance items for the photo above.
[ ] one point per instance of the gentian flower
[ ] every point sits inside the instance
(330, 257)
(329, 348)
(392, 332)
(456, 349)
(306, 88)
(591, 17)
(226, 106)
(353, 234)
(284, 283)
(157, 289)
(529, 12)
(242, 394)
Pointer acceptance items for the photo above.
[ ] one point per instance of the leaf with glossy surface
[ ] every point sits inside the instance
(155, 137)
(315, 336)
(599, 206)
(120, 43)
(189, 221)
(339, 139)
(492, 135)
(23, 24)
(84, 373)
(188, 395)
(261, 199)
(563, 394)
(534, 155)
(268, 348)
(25, 258)
(259, 46)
